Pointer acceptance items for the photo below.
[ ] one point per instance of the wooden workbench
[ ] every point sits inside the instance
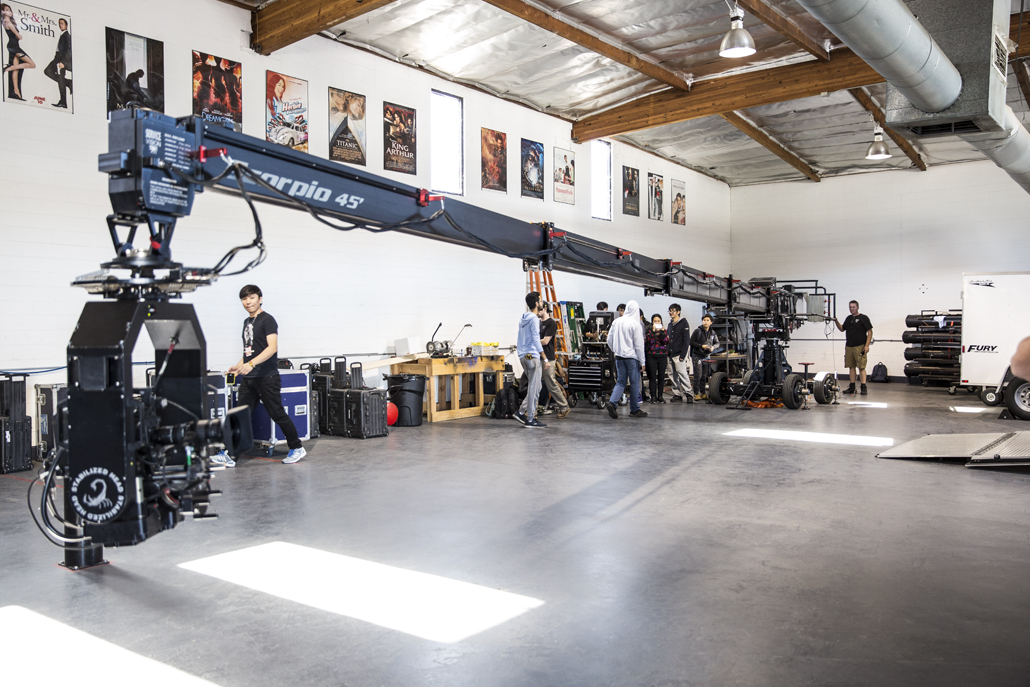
(448, 371)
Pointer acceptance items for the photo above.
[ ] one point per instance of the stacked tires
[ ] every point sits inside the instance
(935, 343)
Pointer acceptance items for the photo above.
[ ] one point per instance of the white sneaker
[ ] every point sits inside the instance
(294, 455)
(223, 458)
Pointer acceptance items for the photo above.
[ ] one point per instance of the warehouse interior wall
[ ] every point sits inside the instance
(331, 292)
(897, 242)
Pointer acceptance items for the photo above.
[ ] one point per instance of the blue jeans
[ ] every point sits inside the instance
(627, 368)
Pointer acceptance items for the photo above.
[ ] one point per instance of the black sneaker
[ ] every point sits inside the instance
(612, 410)
(521, 418)
(850, 390)
(638, 413)
(677, 399)
(865, 391)
(661, 401)
(535, 423)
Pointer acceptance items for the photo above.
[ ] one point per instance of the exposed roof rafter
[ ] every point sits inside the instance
(1023, 77)
(786, 27)
(285, 22)
(773, 146)
(589, 41)
(716, 96)
(865, 101)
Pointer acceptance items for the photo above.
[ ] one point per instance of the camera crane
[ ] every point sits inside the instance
(135, 461)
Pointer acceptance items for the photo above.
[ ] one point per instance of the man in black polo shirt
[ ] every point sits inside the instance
(258, 373)
(859, 334)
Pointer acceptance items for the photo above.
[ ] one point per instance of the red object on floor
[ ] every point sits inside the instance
(391, 414)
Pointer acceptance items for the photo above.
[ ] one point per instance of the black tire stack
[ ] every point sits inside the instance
(935, 345)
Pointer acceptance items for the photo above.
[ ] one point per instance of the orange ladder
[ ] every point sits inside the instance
(542, 282)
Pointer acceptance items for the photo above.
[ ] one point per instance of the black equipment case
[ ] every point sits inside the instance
(15, 445)
(366, 413)
(48, 398)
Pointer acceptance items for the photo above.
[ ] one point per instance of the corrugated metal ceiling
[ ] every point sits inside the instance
(472, 42)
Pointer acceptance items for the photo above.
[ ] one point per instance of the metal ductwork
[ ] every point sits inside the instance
(927, 93)
(1010, 149)
(888, 36)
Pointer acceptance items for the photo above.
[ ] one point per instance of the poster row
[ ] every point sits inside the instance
(135, 78)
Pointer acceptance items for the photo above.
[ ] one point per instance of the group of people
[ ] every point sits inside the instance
(647, 346)
(638, 346)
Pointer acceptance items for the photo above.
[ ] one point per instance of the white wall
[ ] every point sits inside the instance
(331, 292)
(897, 242)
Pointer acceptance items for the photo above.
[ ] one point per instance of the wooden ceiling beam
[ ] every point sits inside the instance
(714, 97)
(786, 27)
(770, 144)
(865, 101)
(1024, 49)
(285, 22)
(589, 41)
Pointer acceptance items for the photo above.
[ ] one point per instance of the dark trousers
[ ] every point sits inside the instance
(58, 75)
(268, 391)
(700, 374)
(656, 366)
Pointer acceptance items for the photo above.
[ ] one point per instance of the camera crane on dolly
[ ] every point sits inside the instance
(134, 462)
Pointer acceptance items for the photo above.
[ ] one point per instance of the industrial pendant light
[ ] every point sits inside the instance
(737, 42)
(878, 150)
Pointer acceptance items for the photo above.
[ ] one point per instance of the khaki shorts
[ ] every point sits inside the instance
(855, 356)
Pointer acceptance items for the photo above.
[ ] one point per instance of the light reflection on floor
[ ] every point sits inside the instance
(428, 606)
(785, 435)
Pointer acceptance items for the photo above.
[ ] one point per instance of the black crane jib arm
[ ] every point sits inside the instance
(156, 164)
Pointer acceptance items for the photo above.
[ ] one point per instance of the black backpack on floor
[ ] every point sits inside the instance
(879, 373)
(500, 409)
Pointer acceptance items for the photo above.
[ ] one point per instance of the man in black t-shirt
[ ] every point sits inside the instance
(858, 334)
(548, 330)
(679, 355)
(590, 331)
(258, 373)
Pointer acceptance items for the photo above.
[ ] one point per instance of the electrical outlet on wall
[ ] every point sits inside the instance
(922, 289)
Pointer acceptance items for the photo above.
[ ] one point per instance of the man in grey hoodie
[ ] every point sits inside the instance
(530, 353)
(626, 339)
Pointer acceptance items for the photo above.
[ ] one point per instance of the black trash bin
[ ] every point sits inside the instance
(406, 392)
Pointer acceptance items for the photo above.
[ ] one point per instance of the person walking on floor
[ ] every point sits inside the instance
(859, 335)
(626, 339)
(530, 352)
(656, 350)
(258, 373)
(548, 330)
(702, 342)
(679, 355)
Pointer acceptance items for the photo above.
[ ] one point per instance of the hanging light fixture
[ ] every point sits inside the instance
(878, 150)
(737, 42)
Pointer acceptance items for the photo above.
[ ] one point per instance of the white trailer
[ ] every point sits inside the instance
(995, 318)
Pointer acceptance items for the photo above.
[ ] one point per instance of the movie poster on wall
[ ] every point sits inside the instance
(218, 89)
(494, 146)
(135, 71)
(564, 176)
(630, 191)
(532, 169)
(399, 138)
(347, 127)
(655, 196)
(679, 202)
(36, 45)
(286, 111)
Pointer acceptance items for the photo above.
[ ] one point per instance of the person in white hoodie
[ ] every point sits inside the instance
(530, 352)
(626, 339)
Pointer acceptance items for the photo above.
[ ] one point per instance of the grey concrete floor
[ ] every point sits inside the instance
(666, 553)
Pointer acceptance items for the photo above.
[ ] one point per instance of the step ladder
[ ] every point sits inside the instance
(543, 282)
